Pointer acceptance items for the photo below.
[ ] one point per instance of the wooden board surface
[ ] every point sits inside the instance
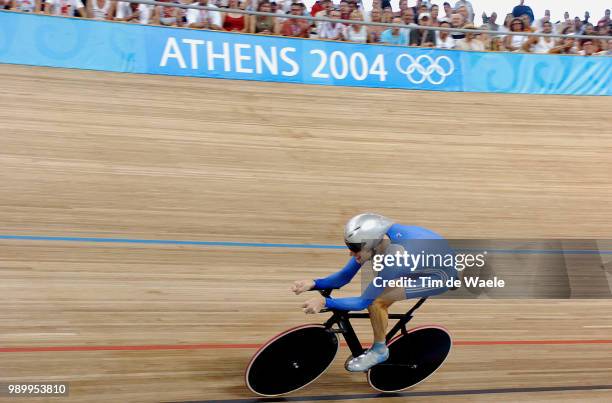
(90, 154)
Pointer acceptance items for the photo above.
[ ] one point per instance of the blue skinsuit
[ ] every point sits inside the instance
(413, 239)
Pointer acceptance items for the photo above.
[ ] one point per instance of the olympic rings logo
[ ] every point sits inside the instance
(425, 68)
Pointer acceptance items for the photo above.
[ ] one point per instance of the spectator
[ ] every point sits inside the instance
(423, 37)
(464, 13)
(541, 21)
(457, 21)
(259, 24)
(589, 29)
(444, 40)
(589, 48)
(25, 6)
(295, 27)
(484, 37)
(422, 9)
(235, 22)
(496, 44)
(541, 44)
(355, 32)
(470, 42)
(448, 10)
(132, 12)
(318, 6)
(99, 9)
(394, 36)
(345, 10)
(606, 16)
(181, 13)
(332, 30)
(202, 18)
(374, 31)
(603, 28)
(567, 45)
(377, 4)
(403, 6)
(514, 43)
(408, 17)
(526, 23)
(65, 8)
(607, 52)
(387, 15)
(470, 10)
(507, 22)
(164, 15)
(492, 24)
(324, 13)
(435, 10)
(522, 9)
(586, 18)
(577, 25)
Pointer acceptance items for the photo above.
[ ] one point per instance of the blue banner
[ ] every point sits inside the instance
(99, 45)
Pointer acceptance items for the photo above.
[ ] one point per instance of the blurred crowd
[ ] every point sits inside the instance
(422, 14)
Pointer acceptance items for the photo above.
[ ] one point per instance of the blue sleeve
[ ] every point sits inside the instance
(357, 303)
(348, 304)
(369, 294)
(338, 279)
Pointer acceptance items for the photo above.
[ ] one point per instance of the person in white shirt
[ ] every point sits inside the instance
(25, 6)
(324, 13)
(99, 9)
(470, 42)
(65, 8)
(356, 32)
(540, 44)
(132, 12)
(204, 18)
(514, 43)
(444, 39)
(332, 30)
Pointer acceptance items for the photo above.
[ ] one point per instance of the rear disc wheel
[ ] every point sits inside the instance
(413, 357)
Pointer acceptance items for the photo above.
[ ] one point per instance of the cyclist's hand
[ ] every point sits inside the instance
(302, 285)
(314, 305)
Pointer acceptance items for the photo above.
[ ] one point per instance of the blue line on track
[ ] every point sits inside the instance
(278, 245)
(169, 242)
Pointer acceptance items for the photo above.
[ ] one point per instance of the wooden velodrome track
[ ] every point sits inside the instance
(90, 154)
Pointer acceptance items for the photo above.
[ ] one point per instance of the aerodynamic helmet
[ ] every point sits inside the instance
(365, 231)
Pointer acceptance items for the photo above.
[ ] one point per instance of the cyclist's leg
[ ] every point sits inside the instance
(379, 318)
(379, 311)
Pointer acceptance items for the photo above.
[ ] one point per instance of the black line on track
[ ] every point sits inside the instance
(362, 396)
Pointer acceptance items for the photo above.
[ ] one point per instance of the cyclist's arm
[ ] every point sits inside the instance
(340, 278)
(348, 304)
(371, 292)
(365, 300)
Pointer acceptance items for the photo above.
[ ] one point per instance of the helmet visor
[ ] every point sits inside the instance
(355, 246)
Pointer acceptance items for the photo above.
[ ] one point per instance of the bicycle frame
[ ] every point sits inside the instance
(342, 320)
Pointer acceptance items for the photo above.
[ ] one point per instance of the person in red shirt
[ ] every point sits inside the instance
(296, 27)
(345, 10)
(319, 5)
